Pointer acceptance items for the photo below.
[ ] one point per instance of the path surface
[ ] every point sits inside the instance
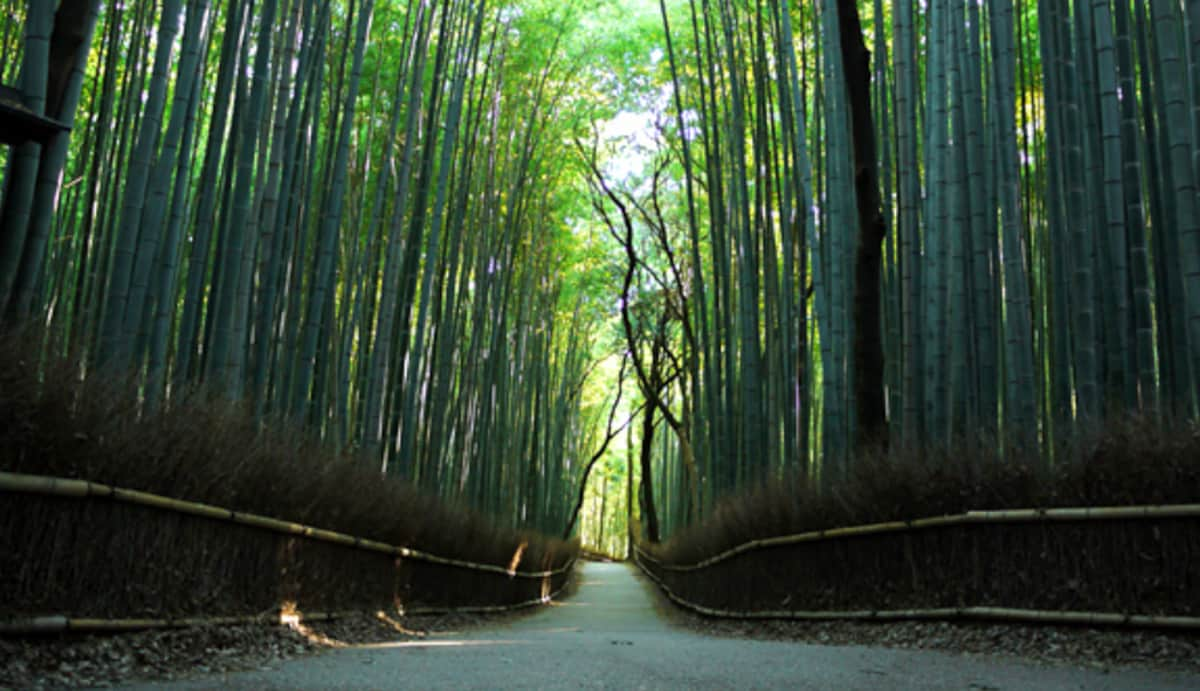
(610, 635)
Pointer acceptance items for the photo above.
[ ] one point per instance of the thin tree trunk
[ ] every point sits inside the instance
(870, 407)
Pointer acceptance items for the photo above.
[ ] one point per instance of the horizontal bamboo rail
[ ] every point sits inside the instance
(62, 624)
(1011, 614)
(81, 489)
(1107, 513)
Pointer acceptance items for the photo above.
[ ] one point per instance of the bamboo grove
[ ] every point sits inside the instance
(1037, 165)
(362, 215)
(344, 213)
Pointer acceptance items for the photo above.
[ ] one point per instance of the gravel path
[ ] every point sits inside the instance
(610, 635)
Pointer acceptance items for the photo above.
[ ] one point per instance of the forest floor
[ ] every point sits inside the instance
(1101, 649)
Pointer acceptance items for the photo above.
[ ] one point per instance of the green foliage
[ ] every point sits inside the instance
(404, 242)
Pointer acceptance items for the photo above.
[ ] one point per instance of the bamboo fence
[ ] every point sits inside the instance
(62, 624)
(1107, 513)
(1111, 513)
(82, 489)
(1012, 614)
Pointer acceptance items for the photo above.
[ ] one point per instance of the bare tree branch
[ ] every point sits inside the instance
(611, 433)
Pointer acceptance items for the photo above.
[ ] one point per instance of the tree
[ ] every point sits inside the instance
(868, 344)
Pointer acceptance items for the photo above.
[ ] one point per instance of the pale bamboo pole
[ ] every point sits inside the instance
(116, 340)
(1018, 336)
(1178, 159)
(321, 289)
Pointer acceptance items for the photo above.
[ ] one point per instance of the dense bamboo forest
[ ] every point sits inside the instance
(572, 262)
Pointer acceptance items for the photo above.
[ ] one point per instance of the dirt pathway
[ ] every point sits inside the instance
(610, 635)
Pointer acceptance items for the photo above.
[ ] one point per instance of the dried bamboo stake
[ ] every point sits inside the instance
(79, 489)
(1109, 513)
(941, 614)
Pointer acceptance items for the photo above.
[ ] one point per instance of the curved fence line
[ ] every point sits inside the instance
(1106, 513)
(60, 623)
(1032, 616)
(81, 489)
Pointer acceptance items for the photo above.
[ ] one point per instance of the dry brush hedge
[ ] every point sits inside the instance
(1145, 566)
(97, 557)
(865, 551)
(59, 549)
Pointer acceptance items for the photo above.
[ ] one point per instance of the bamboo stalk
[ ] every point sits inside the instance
(61, 487)
(1077, 514)
(939, 613)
